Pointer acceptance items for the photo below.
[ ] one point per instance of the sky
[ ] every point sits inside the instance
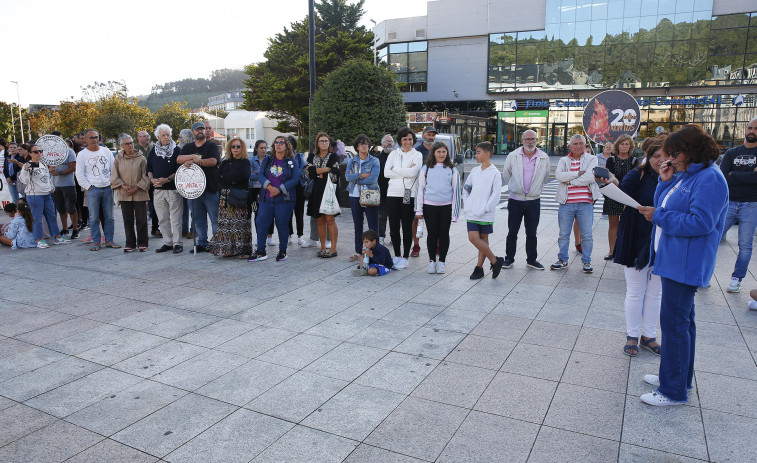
(53, 48)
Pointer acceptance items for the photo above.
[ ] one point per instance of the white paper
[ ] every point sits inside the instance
(613, 192)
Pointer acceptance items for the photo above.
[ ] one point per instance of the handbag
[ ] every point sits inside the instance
(237, 198)
(370, 197)
(307, 187)
(329, 203)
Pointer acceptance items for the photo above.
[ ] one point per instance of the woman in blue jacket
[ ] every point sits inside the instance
(278, 176)
(689, 212)
(362, 173)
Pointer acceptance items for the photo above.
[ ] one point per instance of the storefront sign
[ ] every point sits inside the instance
(533, 113)
(677, 101)
(609, 115)
(421, 117)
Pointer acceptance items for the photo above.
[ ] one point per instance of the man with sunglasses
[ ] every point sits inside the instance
(204, 154)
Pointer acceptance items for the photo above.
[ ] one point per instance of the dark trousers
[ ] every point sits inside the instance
(153, 215)
(382, 218)
(679, 334)
(528, 213)
(438, 220)
(135, 213)
(372, 213)
(400, 215)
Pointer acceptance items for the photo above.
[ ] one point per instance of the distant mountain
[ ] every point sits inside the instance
(194, 91)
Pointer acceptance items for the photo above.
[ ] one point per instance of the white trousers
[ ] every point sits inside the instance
(643, 294)
(169, 207)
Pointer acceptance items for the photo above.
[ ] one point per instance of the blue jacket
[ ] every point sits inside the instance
(692, 223)
(255, 171)
(289, 180)
(371, 165)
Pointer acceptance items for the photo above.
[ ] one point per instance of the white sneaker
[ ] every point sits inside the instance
(440, 267)
(752, 305)
(270, 241)
(61, 240)
(654, 380)
(659, 400)
(304, 242)
(432, 267)
(42, 244)
(735, 285)
(400, 263)
(291, 240)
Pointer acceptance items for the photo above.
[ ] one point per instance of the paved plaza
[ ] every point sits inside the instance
(143, 357)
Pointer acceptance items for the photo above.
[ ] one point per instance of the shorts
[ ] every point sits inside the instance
(64, 198)
(484, 229)
(382, 270)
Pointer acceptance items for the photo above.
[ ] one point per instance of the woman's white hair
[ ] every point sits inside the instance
(163, 128)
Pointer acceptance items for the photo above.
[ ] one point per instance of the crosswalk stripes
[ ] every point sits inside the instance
(548, 202)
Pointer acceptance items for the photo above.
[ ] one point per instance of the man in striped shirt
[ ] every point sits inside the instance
(576, 194)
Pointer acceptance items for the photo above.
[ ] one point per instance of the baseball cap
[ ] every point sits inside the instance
(198, 125)
(429, 129)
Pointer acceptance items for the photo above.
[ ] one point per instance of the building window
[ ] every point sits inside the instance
(409, 62)
(626, 44)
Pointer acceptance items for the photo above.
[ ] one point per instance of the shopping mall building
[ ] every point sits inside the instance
(499, 67)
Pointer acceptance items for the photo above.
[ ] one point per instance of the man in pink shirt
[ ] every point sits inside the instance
(526, 172)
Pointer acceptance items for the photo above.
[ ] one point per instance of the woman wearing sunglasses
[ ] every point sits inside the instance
(234, 236)
(39, 184)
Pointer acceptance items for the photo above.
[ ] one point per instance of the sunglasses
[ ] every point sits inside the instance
(236, 147)
(37, 151)
(279, 142)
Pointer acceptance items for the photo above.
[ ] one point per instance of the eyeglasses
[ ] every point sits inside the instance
(93, 138)
(236, 147)
(37, 151)
(128, 143)
(323, 141)
(279, 142)
(529, 139)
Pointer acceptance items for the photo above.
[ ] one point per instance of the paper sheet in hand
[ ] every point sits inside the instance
(613, 192)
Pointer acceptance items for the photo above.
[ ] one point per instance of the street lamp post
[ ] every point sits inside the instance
(20, 119)
(373, 43)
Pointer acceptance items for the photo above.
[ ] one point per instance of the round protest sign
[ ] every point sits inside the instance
(190, 182)
(54, 150)
(611, 114)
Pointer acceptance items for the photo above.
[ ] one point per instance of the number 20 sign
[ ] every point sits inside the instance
(611, 114)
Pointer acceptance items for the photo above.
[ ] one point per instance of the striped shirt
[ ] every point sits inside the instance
(578, 194)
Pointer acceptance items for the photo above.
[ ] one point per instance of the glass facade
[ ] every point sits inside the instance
(725, 117)
(409, 62)
(599, 44)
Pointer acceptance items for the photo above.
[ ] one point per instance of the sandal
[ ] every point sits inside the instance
(128, 249)
(142, 248)
(631, 349)
(112, 245)
(328, 254)
(94, 248)
(322, 253)
(646, 344)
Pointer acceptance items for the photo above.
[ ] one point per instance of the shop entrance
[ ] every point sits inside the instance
(558, 140)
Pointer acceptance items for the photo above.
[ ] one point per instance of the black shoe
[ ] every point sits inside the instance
(164, 248)
(64, 231)
(178, 249)
(478, 273)
(508, 263)
(609, 257)
(281, 256)
(497, 267)
(535, 265)
(75, 235)
(200, 248)
(257, 256)
(156, 233)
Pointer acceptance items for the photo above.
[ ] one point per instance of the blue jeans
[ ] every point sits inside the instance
(584, 213)
(203, 207)
(13, 191)
(746, 214)
(372, 213)
(42, 207)
(270, 210)
(679, 333)
(97, 198)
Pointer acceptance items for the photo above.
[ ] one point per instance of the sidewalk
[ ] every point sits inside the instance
(143, 357)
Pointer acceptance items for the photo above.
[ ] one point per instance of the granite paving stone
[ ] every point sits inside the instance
(299, 351)
(111, 451)
(27, 360)
(454, 384)
(635, 454)
(19, 420)
(200, 370)
(538, 361)
(520, 397)
(305, 445)
(479, 351)
(246, 382)
(43, 379)
(51, 444)
(397, 372)
(730, 438)
(370, 454)
(384, 334)
(586, 410)
(346, 361)
(430, 342)
(553, 445)
(502, 327)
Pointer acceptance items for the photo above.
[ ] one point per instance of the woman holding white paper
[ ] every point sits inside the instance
(643, 289)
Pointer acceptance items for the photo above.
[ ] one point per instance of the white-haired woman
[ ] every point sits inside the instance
(161, 169)
(129, 180)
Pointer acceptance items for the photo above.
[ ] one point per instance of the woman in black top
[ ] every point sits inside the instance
(643, 288)
(619, 164)
(234, 236)
(322, 162)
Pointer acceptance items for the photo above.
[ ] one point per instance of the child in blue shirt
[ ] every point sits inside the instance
(19, 233)
(377, 260)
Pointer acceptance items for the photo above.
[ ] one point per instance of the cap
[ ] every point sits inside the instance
(429, 129)
(198, 125)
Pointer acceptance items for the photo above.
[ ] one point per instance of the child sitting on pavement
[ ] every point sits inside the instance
(19, 232)
(376, 259)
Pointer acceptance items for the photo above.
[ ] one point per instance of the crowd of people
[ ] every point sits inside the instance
(667, 246)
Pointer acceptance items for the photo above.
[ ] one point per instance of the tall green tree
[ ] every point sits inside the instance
(347, 102)
(176, 115)
(117, 114)
(281, 83)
